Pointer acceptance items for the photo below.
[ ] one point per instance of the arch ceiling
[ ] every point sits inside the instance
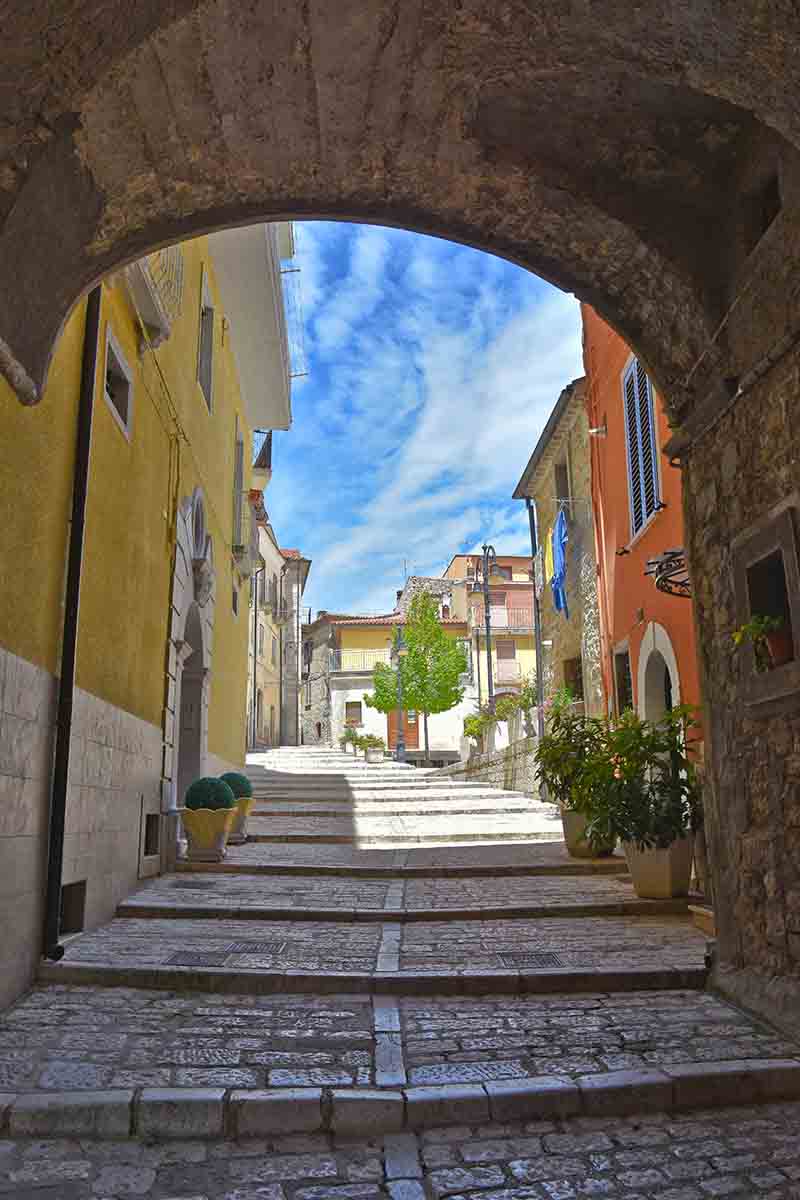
(596, 142)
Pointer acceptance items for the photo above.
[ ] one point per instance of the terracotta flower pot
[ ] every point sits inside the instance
(207, 832)
(780, 646)
(574, 825)
(661, 874)
(238, 834)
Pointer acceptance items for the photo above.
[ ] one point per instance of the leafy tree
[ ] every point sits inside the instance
(430, 670)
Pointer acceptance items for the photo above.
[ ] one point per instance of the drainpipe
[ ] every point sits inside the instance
(253, 712)
(281, 679)
(69, 642)
(297, 660)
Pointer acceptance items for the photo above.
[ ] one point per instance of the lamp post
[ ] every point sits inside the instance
(489, 561)
(399, 651)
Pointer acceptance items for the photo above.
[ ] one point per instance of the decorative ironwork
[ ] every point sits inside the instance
(670, 573)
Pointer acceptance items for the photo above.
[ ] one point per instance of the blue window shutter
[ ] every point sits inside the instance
(647, 434)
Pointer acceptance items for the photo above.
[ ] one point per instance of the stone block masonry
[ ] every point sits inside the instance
(512, 768)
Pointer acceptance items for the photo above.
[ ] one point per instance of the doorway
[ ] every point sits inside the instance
(190, 758)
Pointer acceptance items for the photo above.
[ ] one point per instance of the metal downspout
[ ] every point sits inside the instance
(66, 686)
(537, 617)
(255, 658)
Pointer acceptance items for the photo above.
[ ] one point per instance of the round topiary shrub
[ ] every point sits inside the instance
(209, 792)
(240, 785)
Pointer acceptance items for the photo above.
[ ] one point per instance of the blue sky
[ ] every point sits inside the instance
(432, 370)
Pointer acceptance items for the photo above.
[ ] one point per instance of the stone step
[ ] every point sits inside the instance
(388, 808)
(408, 830)
(454, 1060)
(600, 953)
(310, 898)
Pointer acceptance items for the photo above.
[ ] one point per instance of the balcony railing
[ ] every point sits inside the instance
(502, 617)
(507, 670)
(357, 660)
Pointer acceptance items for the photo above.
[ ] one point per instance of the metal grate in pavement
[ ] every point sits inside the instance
(198, 958)
(269, 948)
(542, 959)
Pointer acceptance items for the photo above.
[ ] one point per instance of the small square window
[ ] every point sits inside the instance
(117, 385)
(152, 834)
(73, 907)
(769, 597)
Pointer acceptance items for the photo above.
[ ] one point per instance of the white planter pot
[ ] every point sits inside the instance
(661, 874)
(374, 755)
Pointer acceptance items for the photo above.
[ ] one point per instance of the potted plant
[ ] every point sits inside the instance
(208, 814)
(242, 790)
(374, 747)
(652, 800)
(770, 638)
(349, 738)
(570, 744)
(478, 727)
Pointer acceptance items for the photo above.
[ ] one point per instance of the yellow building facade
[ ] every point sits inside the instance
(162, 643)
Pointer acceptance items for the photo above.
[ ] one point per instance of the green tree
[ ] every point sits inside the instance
(430, 670)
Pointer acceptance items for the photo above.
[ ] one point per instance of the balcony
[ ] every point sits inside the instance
(357, 660)
(519, 620)
(507, 671)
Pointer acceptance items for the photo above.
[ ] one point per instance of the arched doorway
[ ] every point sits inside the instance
(658, 681)
(190, 726)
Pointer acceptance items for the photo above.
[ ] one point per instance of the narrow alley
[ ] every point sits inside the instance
(355, 1005)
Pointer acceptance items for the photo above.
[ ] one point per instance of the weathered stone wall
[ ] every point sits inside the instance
(736, 472)
(513, 768)
(315, 688)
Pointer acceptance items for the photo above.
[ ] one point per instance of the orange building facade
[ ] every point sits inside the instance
(648, 653)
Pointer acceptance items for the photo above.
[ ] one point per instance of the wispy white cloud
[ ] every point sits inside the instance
(433, 371)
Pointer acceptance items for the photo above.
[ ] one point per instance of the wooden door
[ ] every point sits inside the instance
(410, 730)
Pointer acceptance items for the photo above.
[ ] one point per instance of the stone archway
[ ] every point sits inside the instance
(189, 659)
(658, 683)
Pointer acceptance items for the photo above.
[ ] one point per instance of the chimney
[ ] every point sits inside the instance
(399, 594)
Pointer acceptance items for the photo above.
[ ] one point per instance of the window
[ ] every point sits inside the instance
(238, 487)
(411, 717)
(261, 641)
(470, 570)
(768, 595)
(641, 438)
(274, 652)
(506, 649)
(352, 712)
(205, 351)
(118, 388)
(152, 834)
(622, 676)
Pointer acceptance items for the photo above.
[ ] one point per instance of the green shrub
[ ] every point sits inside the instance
(209, 792)
(240, 785)
(371, 741)
(506, 707)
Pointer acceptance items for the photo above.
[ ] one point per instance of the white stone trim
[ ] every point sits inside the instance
(656, 639)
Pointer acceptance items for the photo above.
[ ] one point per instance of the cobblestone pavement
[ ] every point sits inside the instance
(735, 1152)
(65, 1038)
(588, 943)
(469, 1041)
(508, 856)
(197, 890)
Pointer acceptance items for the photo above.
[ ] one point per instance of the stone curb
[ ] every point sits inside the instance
(616, 908)
(398, 841)
(215, 1113)
(388, 983)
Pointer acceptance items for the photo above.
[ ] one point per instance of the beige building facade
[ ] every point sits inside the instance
(558, 478)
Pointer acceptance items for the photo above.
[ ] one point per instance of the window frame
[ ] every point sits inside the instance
(112, 344)
(633, 368)
(350, 724)
(206, 305)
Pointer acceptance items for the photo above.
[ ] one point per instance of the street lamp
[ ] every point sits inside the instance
(399, 651)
